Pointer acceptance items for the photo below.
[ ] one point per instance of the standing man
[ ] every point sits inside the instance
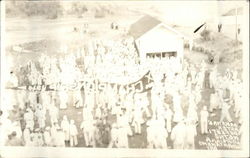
(214, 101)
(178, 135)
(73, 133)
(65, 128)
(88, 129)
(54, 114)
(63, 98)
(190, 133)
(169, 116)
(151, 133)
(47, 136)
(204, 119)
(225, 112)
(60, 138)
(114, 136)
(213, 77)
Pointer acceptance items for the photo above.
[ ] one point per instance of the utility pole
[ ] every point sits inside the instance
(219, 21)
(236, 24)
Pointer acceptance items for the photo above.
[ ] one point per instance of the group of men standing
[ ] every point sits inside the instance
(171, 111)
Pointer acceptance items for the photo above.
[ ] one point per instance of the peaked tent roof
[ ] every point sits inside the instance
(142, 26)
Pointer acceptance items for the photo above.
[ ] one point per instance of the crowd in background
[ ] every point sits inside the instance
(174, 108)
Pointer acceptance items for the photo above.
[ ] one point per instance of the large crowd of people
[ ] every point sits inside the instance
(173, 109)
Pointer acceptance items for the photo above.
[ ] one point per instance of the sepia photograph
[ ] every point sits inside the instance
(124, 78)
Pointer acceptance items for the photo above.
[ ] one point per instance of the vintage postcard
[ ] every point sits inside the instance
(124, 78)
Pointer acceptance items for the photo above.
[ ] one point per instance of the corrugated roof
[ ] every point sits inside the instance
(142, 26)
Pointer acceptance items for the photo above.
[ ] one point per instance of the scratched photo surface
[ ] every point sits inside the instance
(154, 75)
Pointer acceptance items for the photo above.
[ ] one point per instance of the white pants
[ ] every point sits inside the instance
(89, 139)
(190, 145)
(203, 126)
(137, 127)
(178, 145)
(169, 125)
(73, 140)
(41, 123)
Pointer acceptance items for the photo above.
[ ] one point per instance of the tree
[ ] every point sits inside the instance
(205, 34)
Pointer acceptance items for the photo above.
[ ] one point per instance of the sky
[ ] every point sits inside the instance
(188, 12)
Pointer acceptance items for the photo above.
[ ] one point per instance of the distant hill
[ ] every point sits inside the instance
(57, 9)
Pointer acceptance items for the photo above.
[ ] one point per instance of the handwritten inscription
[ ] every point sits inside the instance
(222, 135)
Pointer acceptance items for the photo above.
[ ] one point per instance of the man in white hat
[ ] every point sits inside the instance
(204, 119)
(32, 98)
(192, 113)
(123, 133)
(98, 112)
(89, 98)
(26, 136)
(13, 80)
(238, 103)
(114, 136)
(29, 118)
(78, 98)
(220, 96)
(63, 95)
(87, 114)
(225, 111)
(200, 79)
(188, 88)
(191, 133)
(47, 137)
(151, 132)
(65, 128)
(21, 95)
(193, 73)
(184, 75)
(214, 101)
(161, 134)
(156, 100)
(122, 93)
(54, 114)
(73, 132)
(169, 117)
(40, 113)
(53, 132)
(197, 94)
(87, 128)
(145, 104)
(138, 118)
(213, 77)
(45, 97)
(60, 138)
(178, 112)
(37, 138)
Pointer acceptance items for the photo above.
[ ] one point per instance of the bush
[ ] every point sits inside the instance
(52, 16)
(78, 9)
(99, 14)
(48, 9)
(207, 51)
(206, 34)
